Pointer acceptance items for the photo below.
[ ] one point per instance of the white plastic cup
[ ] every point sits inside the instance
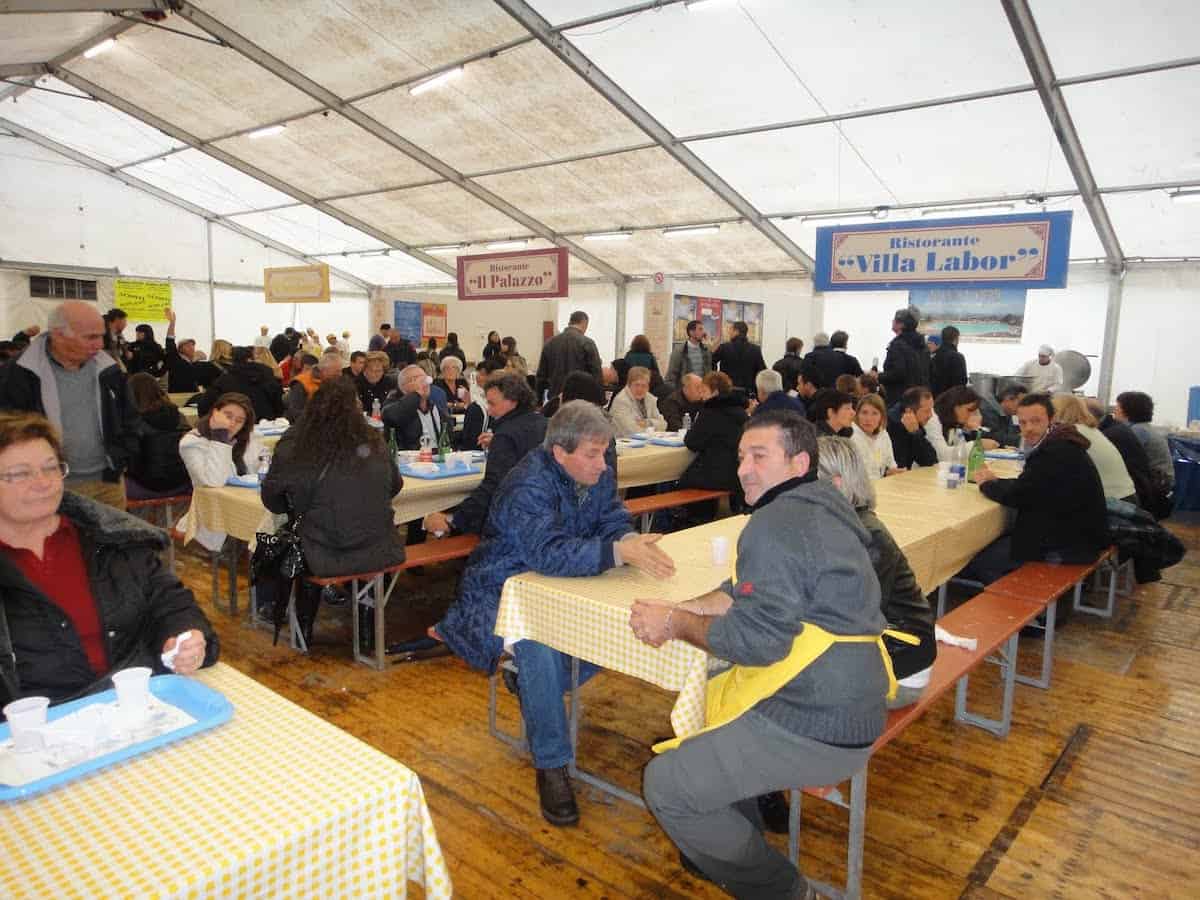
(133, 691)
(720, 551)
(25, 719)
(943, 473)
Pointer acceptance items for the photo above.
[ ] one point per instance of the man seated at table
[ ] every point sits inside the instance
(84, 593)
(476, 421)
(1059, 499)
(906, 428)
(417, 410)
(1000, 414)
(800, 621)
(771, 395)
(557, 513)
(328, 367)
(517, 428)
(687, 398)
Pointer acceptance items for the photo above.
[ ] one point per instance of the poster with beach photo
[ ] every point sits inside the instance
(981, 315)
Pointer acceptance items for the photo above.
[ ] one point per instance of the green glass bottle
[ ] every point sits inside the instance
(976, 460)
(444, 447)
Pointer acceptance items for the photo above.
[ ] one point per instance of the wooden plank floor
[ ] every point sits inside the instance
(1094, 793)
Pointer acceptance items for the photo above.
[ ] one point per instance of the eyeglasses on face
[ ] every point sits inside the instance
(23, 475)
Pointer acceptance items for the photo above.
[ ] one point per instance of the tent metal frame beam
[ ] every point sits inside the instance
(120, 103)
(96, 165)
(1029, 40)
(82, 6)
(579, 63)
(20, 70)
(301, 82)
(111, 31)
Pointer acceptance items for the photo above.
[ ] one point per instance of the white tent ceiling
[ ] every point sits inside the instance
(839, 109)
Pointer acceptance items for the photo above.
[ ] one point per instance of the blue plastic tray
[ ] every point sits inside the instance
(208, 707)
(1003, 454)
(237, 481)
(442, 472)
(666, 442)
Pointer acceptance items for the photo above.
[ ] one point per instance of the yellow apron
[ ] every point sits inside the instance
(738, 689)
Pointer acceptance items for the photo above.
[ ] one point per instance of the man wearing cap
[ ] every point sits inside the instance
(1046, 375)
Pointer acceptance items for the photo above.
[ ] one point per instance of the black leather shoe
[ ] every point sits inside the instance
(773, 808)
(556, 796)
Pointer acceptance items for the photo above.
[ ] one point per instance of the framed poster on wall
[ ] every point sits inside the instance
(718, 316)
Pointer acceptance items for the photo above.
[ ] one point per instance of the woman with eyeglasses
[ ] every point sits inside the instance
(84, 591)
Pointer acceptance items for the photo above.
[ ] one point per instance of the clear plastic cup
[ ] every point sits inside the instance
(133, 692)
(720, 551)
(943, 473)
(25, 719)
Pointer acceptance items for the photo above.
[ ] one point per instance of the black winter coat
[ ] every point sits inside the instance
(347, 526)
(1059, 501)
(832, 363)
(906, 365)
(181, 376)
(1137, 463)
(254, 380)
(741, 361)
(947, 369)
(21, 390)
(788, 367)
(401, 353)
(715, 435)
(147, 356)
(453, 350)
(157, 464)
(900, 600)
(140, 601)
(569, 351)
(513, 436)
(673, 406)
(368, 393)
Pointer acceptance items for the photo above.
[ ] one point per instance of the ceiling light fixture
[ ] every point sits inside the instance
(507, 245)
(690, 230)
(1185, 196)
(436, 81)
(879, 212)
(269, 131)
(99, 48)
(609, 236)
(938, 210)
(712, 4)
(155, 163)
(445, 248)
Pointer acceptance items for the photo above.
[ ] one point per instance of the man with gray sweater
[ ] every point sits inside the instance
(802, 573)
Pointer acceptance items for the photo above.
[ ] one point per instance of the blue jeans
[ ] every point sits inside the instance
(543, 676)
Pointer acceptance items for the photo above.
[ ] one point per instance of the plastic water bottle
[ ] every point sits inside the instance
(959, 458)
(376, 410)
(264, 463)
(685, 424)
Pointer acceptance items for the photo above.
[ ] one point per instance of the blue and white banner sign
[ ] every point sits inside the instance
(1022, 251)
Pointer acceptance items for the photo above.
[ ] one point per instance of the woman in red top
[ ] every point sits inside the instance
(83, 592)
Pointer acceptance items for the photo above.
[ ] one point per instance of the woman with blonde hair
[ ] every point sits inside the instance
(1114, 475)
(871, 438)
(263, 355)
(222, 354)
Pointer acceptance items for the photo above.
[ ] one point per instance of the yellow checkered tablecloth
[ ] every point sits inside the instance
(274, 803)
(239, 511)
(938, 529)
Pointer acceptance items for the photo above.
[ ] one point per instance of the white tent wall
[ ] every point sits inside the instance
(1156, 343)
(473, 319)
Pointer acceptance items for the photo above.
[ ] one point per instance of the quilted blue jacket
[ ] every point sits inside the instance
(537, 521)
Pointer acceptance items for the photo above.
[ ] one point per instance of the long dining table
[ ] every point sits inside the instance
(938, 528)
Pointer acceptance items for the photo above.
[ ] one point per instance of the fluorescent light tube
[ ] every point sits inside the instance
(507, 245)
(436, 81)
(690, 230)
(938, 210)
(609, 236)
(99, 48)
(269, 131)
(445, 248)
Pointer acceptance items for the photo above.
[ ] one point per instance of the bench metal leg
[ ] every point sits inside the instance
(1106, 611)
(372, 594)
(576, 707)
(1007, 660)
(647, 521)
(517, 741)
(298, 642)
(1042, 680)
(855, 839)
(941, 605)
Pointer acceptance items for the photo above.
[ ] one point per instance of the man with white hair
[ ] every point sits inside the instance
(451, 381)
(66, 376)
(1046, 374)
(771, 395)
(419, 409)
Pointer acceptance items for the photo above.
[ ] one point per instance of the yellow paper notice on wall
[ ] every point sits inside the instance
(143, 301)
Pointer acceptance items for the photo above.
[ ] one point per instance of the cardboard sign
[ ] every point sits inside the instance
(433, 320)
(513, 276)
(297, 284)
(143, 301)
(1022, 251)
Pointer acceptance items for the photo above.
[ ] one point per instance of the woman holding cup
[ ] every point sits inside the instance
(85, 593)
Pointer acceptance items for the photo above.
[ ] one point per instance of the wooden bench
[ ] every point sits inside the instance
(646, 507)
(161, 505)
(995, 621)
(373, 589)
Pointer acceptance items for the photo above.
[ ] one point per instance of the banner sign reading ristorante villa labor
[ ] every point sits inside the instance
(1024, 251)
(511, 276)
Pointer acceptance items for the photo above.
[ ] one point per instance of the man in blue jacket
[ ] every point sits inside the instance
(557, 513)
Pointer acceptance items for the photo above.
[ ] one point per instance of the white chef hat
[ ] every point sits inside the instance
(1045, 350)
